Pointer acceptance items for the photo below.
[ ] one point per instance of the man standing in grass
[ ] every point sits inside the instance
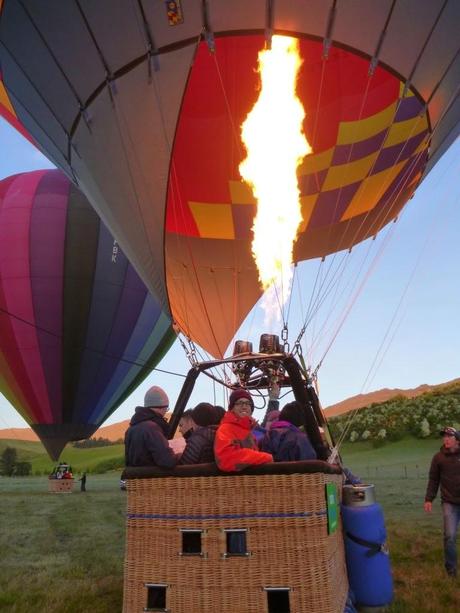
(445, 470)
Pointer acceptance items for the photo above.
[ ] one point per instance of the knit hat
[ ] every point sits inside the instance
(236, 395)
(204, 414)
(450, 431)
(156, 398)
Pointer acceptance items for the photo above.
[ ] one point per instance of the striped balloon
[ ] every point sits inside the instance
(78, 328)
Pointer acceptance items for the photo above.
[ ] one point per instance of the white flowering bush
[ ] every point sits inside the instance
(424, 428)
(422, 416)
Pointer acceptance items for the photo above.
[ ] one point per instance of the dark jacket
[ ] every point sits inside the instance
(200, 446)
(444, 470)
(287, 443)
(145, 440)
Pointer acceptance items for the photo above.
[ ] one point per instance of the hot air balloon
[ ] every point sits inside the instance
(144, 115)
(78, 328)
(141, 104)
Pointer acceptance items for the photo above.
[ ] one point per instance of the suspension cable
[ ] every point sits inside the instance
(385, 344)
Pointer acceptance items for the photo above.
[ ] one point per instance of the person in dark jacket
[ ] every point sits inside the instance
(83, 483)
(445, 471)
(145, 439)
(186, 424)
(284, 440)
(200, 445)
(220, 411)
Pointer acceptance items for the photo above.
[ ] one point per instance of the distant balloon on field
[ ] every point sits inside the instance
(146, 115)
(78, 328)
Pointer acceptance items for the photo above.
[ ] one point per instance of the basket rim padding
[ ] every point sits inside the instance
(211, 470)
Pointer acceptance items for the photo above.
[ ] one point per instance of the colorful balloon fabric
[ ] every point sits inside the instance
(78, 328)
(146, 116)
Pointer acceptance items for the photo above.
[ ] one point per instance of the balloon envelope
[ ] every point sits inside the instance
(147, 118)
(78, 328)
(8, 113)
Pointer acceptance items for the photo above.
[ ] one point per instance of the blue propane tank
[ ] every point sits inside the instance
(368, 562)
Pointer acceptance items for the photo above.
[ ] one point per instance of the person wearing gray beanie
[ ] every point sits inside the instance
(156, 398)
(146, 442)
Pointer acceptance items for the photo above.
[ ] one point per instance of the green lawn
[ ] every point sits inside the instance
(91, 460)
(409, 457)
(63, 553)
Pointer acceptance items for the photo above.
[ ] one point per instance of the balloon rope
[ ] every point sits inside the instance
(396, 192)
(81, 346)
(358, 291)
(312, 301)
(434, 228)
(317, 303)
(387, 339)
(348, 286)
(184, 240)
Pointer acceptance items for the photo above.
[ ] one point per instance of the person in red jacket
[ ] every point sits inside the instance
(235, 447)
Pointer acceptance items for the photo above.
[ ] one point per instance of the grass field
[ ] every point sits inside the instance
(64, 553)
(92, 459)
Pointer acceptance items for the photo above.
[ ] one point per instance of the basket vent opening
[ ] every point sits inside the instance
(236, 543)
(156, 597)
(278, 600)
(191, 542)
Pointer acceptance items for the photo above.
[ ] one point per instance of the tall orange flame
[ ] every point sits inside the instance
(276, 145)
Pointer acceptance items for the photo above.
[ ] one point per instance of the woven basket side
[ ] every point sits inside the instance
(287, 541)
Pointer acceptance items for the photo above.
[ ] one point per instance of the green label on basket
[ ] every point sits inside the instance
(332, 507)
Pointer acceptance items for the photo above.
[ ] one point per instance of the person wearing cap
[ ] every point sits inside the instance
(235, 447)
(284, 439)
(200, 444)
(445, 472)
(145, 439)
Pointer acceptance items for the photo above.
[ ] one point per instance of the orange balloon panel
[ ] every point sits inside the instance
(369, 141)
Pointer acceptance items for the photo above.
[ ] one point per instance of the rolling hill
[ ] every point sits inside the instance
(364, 400)
(115, 432)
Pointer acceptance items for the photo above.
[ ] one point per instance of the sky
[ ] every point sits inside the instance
(390, 320)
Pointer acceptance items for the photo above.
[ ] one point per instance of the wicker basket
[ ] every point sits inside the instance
(60, 486)
(285, 521)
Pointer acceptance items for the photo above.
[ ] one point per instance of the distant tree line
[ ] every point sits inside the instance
(10, 465)
(422, 417)
(96, 442)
